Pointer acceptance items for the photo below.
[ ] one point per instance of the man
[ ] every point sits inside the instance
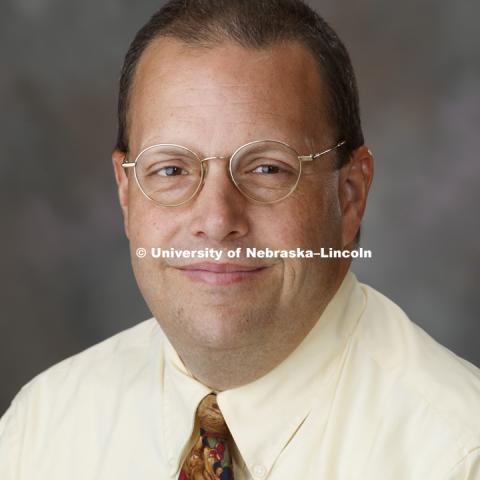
(239, 129)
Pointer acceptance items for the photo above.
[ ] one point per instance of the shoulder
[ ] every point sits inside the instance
(92, 375)
(121, 354)
(80, 401)
(424, 373)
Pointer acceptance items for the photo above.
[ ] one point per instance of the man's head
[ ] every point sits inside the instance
(211, 76)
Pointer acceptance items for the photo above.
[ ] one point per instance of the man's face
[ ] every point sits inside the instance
(212, 101)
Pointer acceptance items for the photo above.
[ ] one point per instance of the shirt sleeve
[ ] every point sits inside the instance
(468, 468)
(11, 431)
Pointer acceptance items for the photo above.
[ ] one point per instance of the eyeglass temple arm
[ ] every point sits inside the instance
(126, 164)
(313, 156)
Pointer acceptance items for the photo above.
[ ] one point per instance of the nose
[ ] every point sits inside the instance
(219, 210)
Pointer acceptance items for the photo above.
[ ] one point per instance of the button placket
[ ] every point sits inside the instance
(259, 471)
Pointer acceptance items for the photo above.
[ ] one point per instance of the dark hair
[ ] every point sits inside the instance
(253, 24)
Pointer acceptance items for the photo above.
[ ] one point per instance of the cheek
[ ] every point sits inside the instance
(149, 224)
(324, 215)
(309, 219)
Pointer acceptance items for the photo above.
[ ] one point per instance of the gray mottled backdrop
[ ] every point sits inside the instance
(66, 279)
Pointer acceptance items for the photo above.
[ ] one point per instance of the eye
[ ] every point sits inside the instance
(170, 171)
(266, 169)
(270, 164)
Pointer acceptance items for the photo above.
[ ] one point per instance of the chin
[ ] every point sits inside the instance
(213, 327)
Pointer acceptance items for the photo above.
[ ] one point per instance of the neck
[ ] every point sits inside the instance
(225, 369)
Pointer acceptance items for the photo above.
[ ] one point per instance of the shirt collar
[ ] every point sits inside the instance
(263, 415)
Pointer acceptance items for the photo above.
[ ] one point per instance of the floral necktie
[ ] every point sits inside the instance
(209, 458)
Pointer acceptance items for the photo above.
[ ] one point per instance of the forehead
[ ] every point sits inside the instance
(180, 88)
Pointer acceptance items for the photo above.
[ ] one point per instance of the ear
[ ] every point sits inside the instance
(121, 177)
(355, 180)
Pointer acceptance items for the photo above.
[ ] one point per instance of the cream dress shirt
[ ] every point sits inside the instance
(367, 395)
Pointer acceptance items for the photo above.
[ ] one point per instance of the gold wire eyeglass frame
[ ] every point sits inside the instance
(301, 158)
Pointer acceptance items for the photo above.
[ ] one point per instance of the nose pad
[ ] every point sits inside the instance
(205, 167)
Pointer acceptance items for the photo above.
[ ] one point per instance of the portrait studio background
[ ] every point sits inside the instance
(66, 278)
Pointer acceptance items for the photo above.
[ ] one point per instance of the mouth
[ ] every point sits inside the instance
(221, 273)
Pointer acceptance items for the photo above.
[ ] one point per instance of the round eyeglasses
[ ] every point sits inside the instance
(265, 171)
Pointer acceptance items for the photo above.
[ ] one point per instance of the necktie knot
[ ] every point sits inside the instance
(211, 419)
(210, 457)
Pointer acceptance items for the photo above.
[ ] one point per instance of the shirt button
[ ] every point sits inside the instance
(259, 471)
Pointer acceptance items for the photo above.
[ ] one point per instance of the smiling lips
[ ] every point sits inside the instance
(220, 273)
